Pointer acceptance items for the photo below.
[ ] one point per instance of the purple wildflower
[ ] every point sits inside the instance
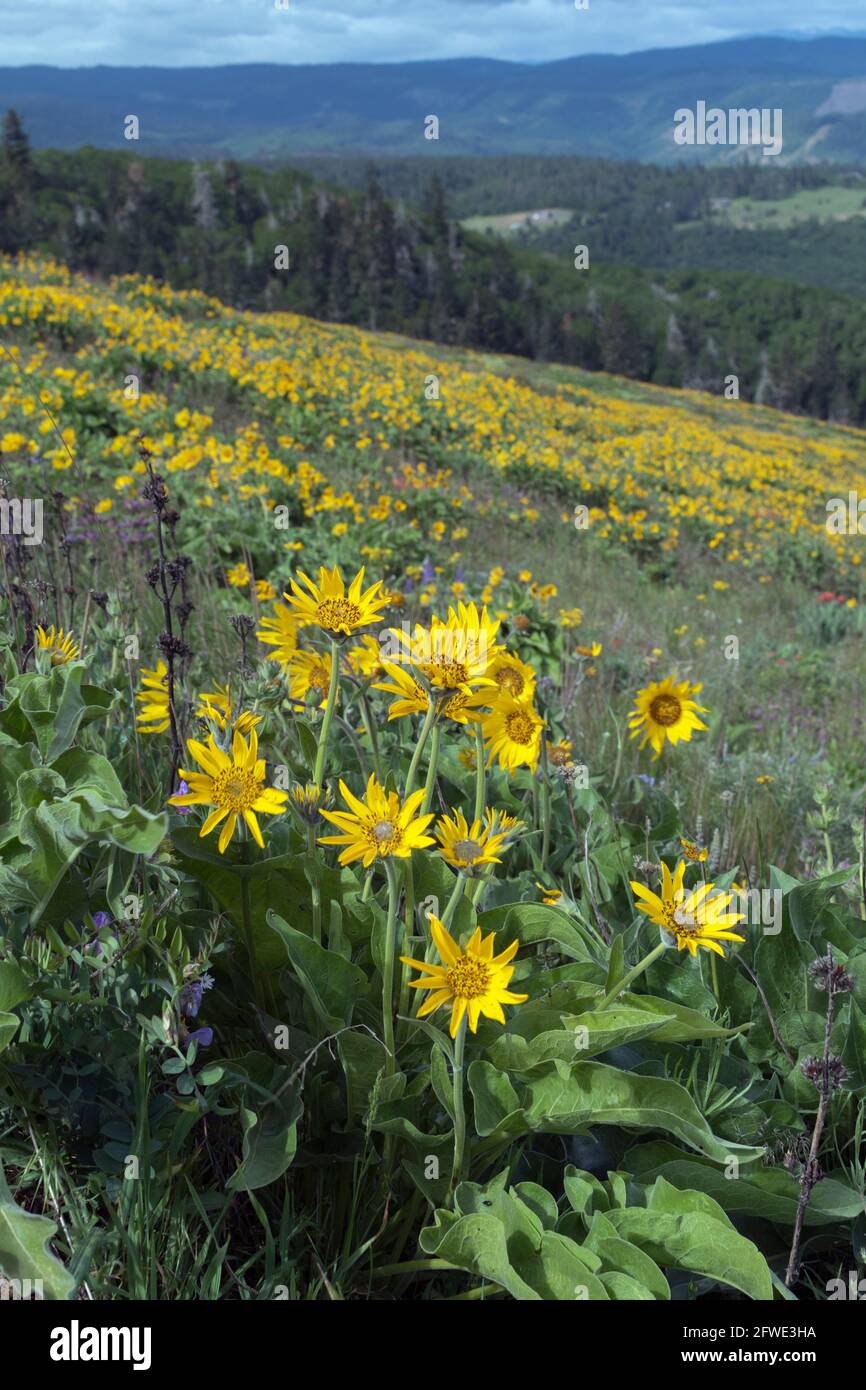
(183, 790)
(193, 993)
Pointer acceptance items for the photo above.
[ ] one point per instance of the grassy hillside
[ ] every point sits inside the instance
(665, 474)
(216, 1080)
(361, 258)
(701, 512)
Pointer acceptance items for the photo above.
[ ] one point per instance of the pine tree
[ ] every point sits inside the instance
(16, 148)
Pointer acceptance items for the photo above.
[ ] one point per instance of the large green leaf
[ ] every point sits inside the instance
(270, 879)
(14, 989)
(331, 983)
(269, 1111)
(678, 1022)
(806, 901)
(688, 1230)
(56, 704)
(585, 1035)
(50, 837)
(494, 1235)
(269, 1144)
(769, 1193)
(14, 985)
(534, 922)
(363, 1058)
(780, 965)
(561, 1098)
(627, 1259)
(23, 1253)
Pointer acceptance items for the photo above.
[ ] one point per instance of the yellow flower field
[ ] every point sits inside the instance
(657, 471)
(333, 850)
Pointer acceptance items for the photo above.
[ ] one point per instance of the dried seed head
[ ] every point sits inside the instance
(827, 974)
(242, 625)
(832, 1073)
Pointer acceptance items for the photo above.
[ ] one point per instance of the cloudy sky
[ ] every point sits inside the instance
(181, 33)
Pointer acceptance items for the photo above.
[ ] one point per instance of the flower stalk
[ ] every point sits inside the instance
(480, 773)
(459, 1109)
(545, 805)
(328, 715)
(412, 774)
(389, 969)
(631, 976)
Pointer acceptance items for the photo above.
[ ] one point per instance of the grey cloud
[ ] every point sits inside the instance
(202, 32)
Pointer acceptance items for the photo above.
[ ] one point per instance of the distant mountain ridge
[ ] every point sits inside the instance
(614, 106)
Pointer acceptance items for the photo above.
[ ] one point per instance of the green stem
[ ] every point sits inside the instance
(246, 919)
(828, 850)
(456, 895)
(408, 933)
(632, 975)
(371, 733)
(479, 885)
(328, 715)
(459, 1107)
(480, 777)
(411, 1267)
(431, 770)
(419, 747)
(315, 890)
(545, 803)
(388, 981)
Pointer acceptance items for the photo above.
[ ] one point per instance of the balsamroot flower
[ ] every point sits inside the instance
(329, 606)
(455, 654)
(153, 717)
(281, 633)
(696, 853)
(216, 705)
(512, 732)
(308, 801)
(310, 671)
(665, 710)
(239, 577)
(233, 785)
(693, 918)
(365, 659)
(469, 848)
(412, 697)
(513, 677)
(473, 981)
(60, 644)
(378, 827)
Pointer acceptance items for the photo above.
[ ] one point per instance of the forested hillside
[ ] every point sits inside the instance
(360, 257)
(803, 222)
(610, 105)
